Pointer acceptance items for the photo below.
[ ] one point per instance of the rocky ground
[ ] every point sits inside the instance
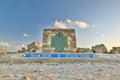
(106, 69)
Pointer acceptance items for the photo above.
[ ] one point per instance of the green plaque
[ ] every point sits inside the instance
(59, 41)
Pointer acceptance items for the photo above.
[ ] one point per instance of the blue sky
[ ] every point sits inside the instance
(22, 21)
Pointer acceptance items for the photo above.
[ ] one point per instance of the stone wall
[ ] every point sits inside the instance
(54, 39)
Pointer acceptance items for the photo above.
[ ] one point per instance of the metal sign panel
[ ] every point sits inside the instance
(59, 41)
(59, 56)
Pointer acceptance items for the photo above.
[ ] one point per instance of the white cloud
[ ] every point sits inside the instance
(118, 25)
(26, 35)
(60, 24)
(102, 35)
(93, 26)
(81, 24)
(96, 32)
(19, 47)
(10, 48)
(4, 44)
(68, 21)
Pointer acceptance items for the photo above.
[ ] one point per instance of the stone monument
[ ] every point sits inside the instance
(58, 41)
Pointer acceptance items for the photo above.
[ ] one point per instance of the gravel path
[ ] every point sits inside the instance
(103, 67)
(57, 71)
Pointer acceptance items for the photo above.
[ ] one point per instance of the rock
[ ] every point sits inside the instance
(27, 78)
(34, 46)
(23, 50)
(115, 50)
(8, 75)
(117, 78)
(100, 70)
(99, 48)
(11, 62)
(1, 51)
(74, 50)
(84, 50)
(40, 70)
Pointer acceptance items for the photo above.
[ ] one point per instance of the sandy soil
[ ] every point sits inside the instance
(56, 71)
(80, 70)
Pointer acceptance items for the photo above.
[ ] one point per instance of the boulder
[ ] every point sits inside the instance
(23, 50)
(84, 50)
(115, 50)
(1, 51)
(34, 46)
(99, 48)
